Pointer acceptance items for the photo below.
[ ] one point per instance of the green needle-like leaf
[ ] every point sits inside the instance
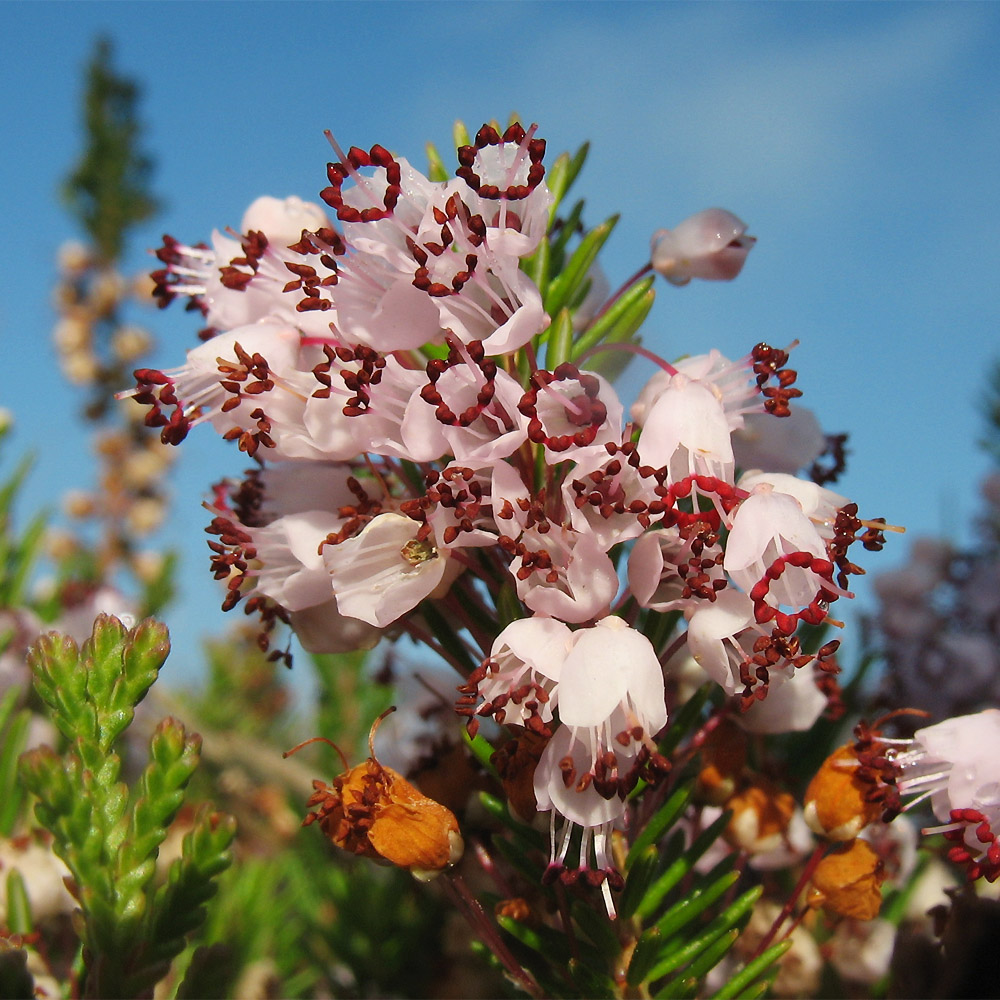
(595, 924)
(542, 939)
(662, 820)
(745, 977)
(568, 227)
(702, 965)
(18, 919)
(641, 873)
(436, 170)
(562, 287)
(537, 265)
(693, 904)
(560, 340)
(677, 957)
(681, 867)
(644, 957)
(621, 314)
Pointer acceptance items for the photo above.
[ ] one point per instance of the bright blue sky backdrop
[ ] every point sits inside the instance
(859, 141)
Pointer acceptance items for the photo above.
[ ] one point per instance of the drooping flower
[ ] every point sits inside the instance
(611, 704)
(711, 245)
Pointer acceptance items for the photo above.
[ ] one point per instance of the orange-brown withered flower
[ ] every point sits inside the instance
(373, 811)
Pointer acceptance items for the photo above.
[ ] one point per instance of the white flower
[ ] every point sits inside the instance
(518, 682)
(611, 704)
(386, 570)
(779, 445)
(711, 245)
(955, 763)
(777, 555)
(686, 430)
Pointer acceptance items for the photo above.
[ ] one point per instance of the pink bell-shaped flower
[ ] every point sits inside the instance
(711, 245)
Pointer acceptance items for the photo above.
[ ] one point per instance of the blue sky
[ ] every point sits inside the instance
(859, 141)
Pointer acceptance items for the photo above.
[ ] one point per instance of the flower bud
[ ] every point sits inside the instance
(711, 245)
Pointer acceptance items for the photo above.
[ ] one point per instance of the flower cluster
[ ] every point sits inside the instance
(407, 366)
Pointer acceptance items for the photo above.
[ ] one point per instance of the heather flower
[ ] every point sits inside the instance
(687, 433)
(674, 569)
(954, 764)
(711, 245)
(611, 704)
(785, 445)
(385, 570)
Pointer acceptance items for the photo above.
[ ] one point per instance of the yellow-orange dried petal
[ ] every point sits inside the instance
(848, 882)
(414, 832)
(835, 805)
(761, 815)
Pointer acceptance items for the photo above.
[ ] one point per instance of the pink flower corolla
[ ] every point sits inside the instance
(468, 407)
(321, 628)
(517, 684)
(686, 431)
(569, 410)
(270, 529)
(720, 637)
(729, 381)
(387, 569)
(786, 445)
(609, 495)
(818, 503)
(283, 219)
(777, 555)
(955, 763)
(740, 654)
(457, 505)
(711, 245)
(757, 383)
(242, 279)
(673, 569)
(419, 261)
(503, 175)
(364, 411)
(563, 573)
(558, 571)
(291, 570)
(611, 705)
(228, 381)
(793, 704)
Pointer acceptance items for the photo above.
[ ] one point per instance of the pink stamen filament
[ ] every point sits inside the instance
(562, 398)
(631, 349)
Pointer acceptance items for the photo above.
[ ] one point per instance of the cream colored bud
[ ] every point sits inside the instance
(141, 289)
(130, 342)
(73, 257)
(80, 367)
(78, 503)
(147, 565)
(142, 468)
(145, 516)
(61, 545)
(73, 333)
(107, 291)
(114, 444)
